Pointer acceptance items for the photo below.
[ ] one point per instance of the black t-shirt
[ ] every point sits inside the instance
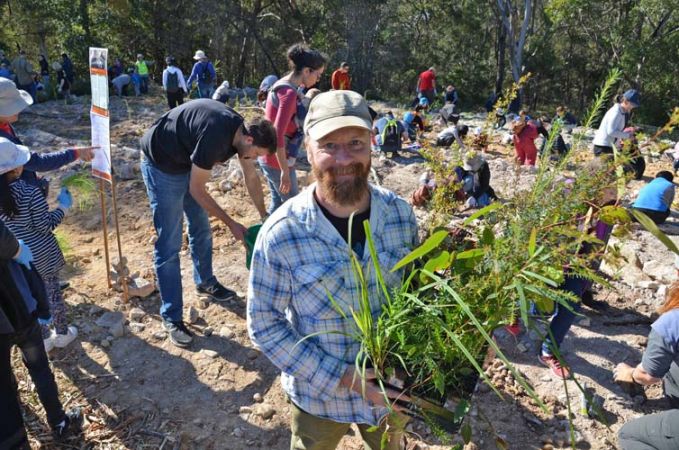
(199, 132)
(341, 224)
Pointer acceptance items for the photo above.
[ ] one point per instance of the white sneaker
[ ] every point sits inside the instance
(62, 340)
(49, 343)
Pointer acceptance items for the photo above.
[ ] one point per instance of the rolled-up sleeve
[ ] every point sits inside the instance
(658, 356)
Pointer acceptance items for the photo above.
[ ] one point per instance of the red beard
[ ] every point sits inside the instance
(345, 192)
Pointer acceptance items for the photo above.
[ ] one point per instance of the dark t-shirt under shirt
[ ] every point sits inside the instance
(199, 132)
(341, 224)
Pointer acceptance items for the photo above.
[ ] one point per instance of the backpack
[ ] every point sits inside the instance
(300, 114)
(172, 82)
(205, 76)
(391, 137)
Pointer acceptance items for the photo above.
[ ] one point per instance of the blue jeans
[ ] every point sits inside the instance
(205, 90)
(144, 88)
(170, 204)
(563, 318)
(273, 179)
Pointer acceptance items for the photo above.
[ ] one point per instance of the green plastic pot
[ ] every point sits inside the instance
(250, 238)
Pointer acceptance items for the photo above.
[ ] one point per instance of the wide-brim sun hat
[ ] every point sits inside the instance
(472, 161)
(12, 100)
(12, 155)
(334, 110)
(199, 55)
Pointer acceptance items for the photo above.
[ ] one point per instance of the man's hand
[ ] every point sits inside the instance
(623, 373)
(85, 153)
(284, 187)
(368, 388)
(238, 230)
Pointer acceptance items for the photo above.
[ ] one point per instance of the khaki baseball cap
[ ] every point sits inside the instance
(332, 110)
(12, 100)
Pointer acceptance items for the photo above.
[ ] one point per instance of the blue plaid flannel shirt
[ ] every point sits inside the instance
(299, 258)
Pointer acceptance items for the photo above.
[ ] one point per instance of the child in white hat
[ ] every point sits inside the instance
(24, 210)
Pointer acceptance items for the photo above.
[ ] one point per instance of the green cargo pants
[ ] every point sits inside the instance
(314, 433)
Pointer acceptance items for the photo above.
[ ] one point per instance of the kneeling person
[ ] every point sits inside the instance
(655, 199)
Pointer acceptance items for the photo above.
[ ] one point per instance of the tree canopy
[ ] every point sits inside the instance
(479, 46)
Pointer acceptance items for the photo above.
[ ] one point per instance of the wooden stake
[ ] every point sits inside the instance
(126, 297)
(104, 223)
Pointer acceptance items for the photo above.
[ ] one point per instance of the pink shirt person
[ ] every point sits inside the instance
(524, 144)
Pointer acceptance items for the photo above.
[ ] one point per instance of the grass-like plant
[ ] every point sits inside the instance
(83, 188)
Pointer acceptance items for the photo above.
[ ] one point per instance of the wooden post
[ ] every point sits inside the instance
(126, 297)
(105, 228)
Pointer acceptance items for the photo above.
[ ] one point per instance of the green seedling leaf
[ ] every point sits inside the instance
(427, 246)
(532, 241)
(466, 433)
(439, 262)
(614, 215)
(482, 212)
(472, 253)
(652, 228)
(487, 236)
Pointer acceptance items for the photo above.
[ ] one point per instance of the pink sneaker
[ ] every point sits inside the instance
(553, 363)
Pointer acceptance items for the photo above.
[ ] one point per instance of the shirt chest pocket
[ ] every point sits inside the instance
(315, 284)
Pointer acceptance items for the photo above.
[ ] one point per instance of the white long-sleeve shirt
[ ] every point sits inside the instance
(180, 77)
(611, 127)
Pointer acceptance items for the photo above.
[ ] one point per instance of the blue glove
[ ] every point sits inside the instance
(65, 199)
(24, 256)
(45, 322)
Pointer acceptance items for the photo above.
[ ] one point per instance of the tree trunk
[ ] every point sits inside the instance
(242, 60)
(500, 49)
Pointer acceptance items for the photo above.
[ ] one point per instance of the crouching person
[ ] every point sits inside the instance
(658, 364)
(655, 199)
(301, 259)
(474, 175)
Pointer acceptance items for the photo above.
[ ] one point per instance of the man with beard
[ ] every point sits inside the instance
(302, 259)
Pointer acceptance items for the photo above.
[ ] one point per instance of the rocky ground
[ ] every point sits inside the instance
(138, 391)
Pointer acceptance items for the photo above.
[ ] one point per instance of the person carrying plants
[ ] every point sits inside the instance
(655, 199)
(613, 124)
(659, 363)
(23, 307)
(12, 102)
(301, 269)
(178, 154)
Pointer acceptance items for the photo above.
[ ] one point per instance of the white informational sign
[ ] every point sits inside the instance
(99, 113)
(101, 164)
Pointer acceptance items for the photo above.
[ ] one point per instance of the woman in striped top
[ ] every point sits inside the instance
(24, 210)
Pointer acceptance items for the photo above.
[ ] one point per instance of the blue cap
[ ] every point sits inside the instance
(408, 117)
(424, 101)
(632, 96)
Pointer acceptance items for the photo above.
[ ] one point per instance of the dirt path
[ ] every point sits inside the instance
(139, 391)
